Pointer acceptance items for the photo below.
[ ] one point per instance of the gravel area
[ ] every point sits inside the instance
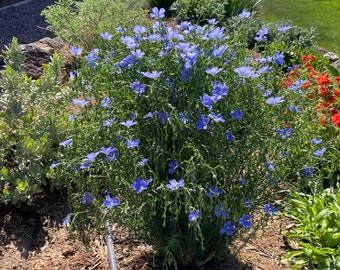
(24, 22)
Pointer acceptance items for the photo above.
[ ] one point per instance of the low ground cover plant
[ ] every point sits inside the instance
(30, 128)
(317, 230)
(182, 134)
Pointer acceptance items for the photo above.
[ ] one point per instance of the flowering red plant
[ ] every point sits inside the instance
(320, 86)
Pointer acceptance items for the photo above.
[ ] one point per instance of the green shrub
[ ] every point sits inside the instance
(199, 11)
(78, 22)
(317, 230)
(180, 137)
(29, 127)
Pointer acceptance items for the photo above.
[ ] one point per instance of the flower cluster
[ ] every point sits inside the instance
(183, 119)
(319, 86)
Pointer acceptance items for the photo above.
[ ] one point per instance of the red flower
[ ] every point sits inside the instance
(322, 106)
(336, 119)
(322, 121)
(338, 79)
(323, 91)
(336, 92)
(323, 79)
(306, 85)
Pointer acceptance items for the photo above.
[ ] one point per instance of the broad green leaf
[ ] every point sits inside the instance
(4, 171)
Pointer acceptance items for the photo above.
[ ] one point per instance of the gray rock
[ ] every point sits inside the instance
(336, 64)
(39, 53)
(332, 57)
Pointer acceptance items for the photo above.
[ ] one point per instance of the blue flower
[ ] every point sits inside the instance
(67, 220)
(142, 162)
(261, 34)
(149, 114)
(152, 75)
(274, 100)
(139, 185)
(319, 153)
(244, 14)
(106, 102)
(75, 51)
(137, 53)
(243, 182)
(80, 102)
(53, 165)
(297, 85)
(194, 215)
(184, 117)
(228, 228)
(219, 90)
(217, 53)
(126, 62)
(130, 42)
(245, 221)
(266, 93)
(202, 123)
(87, 162)
(221, 211)
(110, 202)
(291, 108)
(247, 202)
(71, 117)
(157, 13)
(74, 74)
(278, 58)
(236, 114)
(213, 192)
(213, 21)
(229, 136)
(132, 143)
(284, 132)
(307, 171)
(92, 58)
(216, 118)
(128, 123)
(92, 156)
(246, 72)
(66, 143)
(163, 116)
(269, 165)
(207, 101)
(316, 141)
(111, 153)
(87, 198)
(212, 71)
(108, 123)
(172, 166)
(271, 210)
(283, 29)
(137, 87)
(106, 35)
(174, 184)
(138, 29)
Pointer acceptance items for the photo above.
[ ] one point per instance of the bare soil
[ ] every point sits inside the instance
(34, 238)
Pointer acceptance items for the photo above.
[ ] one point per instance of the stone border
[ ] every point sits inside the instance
(334, 60)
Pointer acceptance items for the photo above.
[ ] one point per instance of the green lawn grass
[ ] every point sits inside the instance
(324, 15)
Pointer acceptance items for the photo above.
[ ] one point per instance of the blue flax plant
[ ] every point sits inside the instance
(177, 134)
